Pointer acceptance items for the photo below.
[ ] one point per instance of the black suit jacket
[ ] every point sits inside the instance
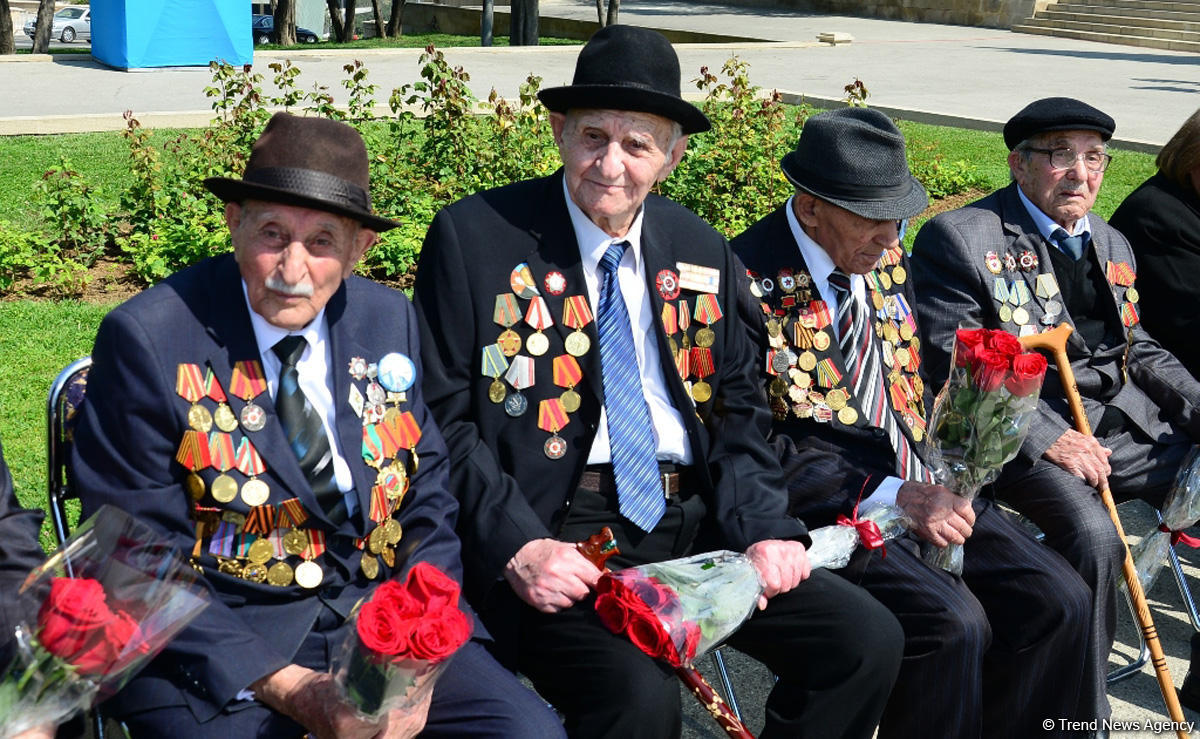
(132, 424)
(828, 464)
(19, 553)
(509, 491)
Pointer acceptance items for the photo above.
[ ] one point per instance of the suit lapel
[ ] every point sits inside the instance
(344, 328)
(658, 257)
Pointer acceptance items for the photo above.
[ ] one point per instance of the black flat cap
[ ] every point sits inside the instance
(627, 68)
(1056, 114)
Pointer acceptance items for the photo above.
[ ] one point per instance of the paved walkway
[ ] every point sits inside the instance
(932, 72)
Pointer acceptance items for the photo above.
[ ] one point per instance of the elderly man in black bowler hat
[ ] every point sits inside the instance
(585, 362)
(1027, 258)
(264, 410)
(828, 300)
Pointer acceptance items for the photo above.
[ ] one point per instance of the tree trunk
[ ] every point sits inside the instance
(285, 23)
(335, 19)
(524, 23)
(600, 12)
(395, 26)
(486, 23)
(380, 26)
(614, 6)
(45, 26)
(8, 44)
(348, 25)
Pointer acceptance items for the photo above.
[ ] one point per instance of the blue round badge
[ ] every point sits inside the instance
(396, 372)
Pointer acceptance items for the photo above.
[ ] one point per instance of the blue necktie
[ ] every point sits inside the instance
(1072, 245)
(305, 432)
(630, 432)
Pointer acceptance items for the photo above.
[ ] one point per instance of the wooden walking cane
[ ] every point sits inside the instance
(597, 550)
(1055, 341)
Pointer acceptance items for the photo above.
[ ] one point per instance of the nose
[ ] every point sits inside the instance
(1078, 170)
(293, 263)
(609, 161)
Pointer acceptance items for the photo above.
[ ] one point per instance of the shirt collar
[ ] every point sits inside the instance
(1046, 225)
(593, 241)
(267, 335)
(820, 264)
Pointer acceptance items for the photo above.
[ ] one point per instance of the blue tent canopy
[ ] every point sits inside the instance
(129, 34)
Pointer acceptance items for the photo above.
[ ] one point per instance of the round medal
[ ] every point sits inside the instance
(755, 288)
(195, 486)
(802, 409)
(375, 393)
(803, 380)
(224, 419)
(702, 391)
(1005, 313)
(906, 333)
(510, 342)
(781, 361)
(787, 283)
(224, 489)
(392, 531)
(555, 283)
(578, 343)
(1132, 294)
(369, 565)
(705, 337)
(917, 433)
(1028, 260)
(280, 574)
(773, 327)
(397, 372)
(255, 492)
(821, 341)
(777, 387)
(768, 285)
(295, 542)
(570, 401)
(199, 418)
(555, 447)
(521, 281)
(667, 282)
(807, 361)
(309, 575)
(388, 555)
(537, 344)
(260, 551)
(497, 391)
(253, 417)
(1020, 316)
(877, 300)
(899, 275)
(516, 404)
(255, 572)
(1010, 262)
(377, 540)
(836, 399)
(885, 281)
(848, 416)
(902, 357)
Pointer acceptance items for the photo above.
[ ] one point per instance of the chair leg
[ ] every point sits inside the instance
(1143, 657)
(726, 685)
(1184, 591)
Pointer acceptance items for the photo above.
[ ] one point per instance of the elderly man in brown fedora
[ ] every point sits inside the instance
(829, 303)
(585, 362)
(230, 406)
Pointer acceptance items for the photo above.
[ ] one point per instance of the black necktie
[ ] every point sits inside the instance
(304, 430)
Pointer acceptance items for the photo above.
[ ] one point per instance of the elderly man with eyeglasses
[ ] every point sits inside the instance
(1025, 259)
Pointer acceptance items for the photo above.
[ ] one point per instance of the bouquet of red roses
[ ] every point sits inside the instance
(677, 611)
(833, 546)
(402, 638)
(106, 602)
(981, 417)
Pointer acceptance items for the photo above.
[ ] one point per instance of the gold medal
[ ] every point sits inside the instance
(836, 399)
(807, 361)
(254, 492)
(537, 344)
(510, 344)
(899, 275)
(902, 357)
(1006, 313)
(705, 337)
(389, 556)
(917, 433)
(577, 344)
(229, 566)
(773, 328)
(377, 540)
(369, 566)
(777, 387)
(885, 280)
(702, 391)
(848, 416)
(877, 300)
(199, 418)
(802, 380)
(280, 574)
(570, 401)
(224, 418)
(224, 489)
(295, 542)
(1132, 294)
(255, 572)
(497, 391)
(906, 333)
(195, 486)
(260, 551)
(392, 531)
(892, 333)
(820, 341)
(309, 575)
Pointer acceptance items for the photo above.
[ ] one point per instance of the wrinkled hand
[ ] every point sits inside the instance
(938, 516)
(313, 701)
(781, 565)
(408, 723)
(1082, 456)
(46, 731)
(550, 575)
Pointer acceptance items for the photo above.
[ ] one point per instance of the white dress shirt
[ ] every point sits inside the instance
(1046, 225)
(670, 435)
(315, 380)
(820, 265)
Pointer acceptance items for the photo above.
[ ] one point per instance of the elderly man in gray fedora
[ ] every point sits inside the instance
(827, 298)
(584, 359)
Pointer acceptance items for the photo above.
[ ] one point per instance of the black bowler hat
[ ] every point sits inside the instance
(1056, 114)
(308, 162)
(854, 158)
(627, 68)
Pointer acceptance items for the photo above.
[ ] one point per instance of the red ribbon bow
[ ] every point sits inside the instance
(1179, 536)
(868, 531)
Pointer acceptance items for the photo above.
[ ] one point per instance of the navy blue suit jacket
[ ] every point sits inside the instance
(19, 553)
(131, 427)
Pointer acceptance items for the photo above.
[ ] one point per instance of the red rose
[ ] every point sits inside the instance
(991, 370)
(647, 634)
(1028, 372)
(439, 634)
(111, 646)
(652, 594)
(73, 615)
(382, 628)
(967, 342)
(431, 587)
(1003, 342)
(612, 612)
(399, 599)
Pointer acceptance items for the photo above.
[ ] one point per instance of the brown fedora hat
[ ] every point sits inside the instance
(313, 163)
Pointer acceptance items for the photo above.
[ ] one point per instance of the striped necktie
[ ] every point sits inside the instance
(305, 432)
(630, 431)
(865, 375)
(1071, 245)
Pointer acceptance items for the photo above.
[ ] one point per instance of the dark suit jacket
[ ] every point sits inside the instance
(1162, 222)
(954, 287)
(828, 464)
(509, 491)
(132, 424)
(19, 553)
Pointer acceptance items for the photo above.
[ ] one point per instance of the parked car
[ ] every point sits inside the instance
(69, 24)
(264, 25)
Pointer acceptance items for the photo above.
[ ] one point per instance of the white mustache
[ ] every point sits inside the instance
(276, 284)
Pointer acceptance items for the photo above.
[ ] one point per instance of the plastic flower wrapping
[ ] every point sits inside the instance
(100, 608)
(1180, 510)
(679, 610)
(833, 546)
(403, 636)
(980, 417)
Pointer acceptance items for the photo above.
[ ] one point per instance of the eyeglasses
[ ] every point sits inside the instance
(1095, 161)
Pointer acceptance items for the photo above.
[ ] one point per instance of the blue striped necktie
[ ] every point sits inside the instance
(630, 432)
(1072, 245)
(305, 432)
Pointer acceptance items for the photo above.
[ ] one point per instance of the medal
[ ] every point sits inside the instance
(520, 375)
(195, 486)
(899, 275)
(1010, 262)
(555, 283)
(567, 374)
(521, 281)
(280, 574)
(553, 417)
(358, 368)
(821, 341)
(223, 415)
(667, 282)
(220, 447)
(255, 492)
(708, 311)
(1006, 313)
(369, 566)
(577, 313)
(494, 364)
(247, 383)
(702, 366)
(309, 574)
(260, 551)
(848, 416)
(1028, 260)
(189, 385)
(807, 361)
(1132, 294)
(698, 278)
(1020, 316)
(396, 372)
(539, 318)
(836, 399)
(991, 260)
